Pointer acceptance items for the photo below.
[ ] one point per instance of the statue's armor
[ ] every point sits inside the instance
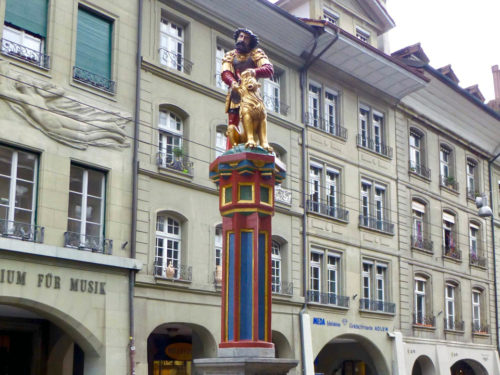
(242, 63)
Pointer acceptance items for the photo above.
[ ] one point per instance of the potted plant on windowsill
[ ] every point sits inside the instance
(450, 182)
(178, 162)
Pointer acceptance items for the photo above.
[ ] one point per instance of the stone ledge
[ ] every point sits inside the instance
(244, 366)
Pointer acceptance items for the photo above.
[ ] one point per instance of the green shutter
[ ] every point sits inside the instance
(29, 15)
(93, 43)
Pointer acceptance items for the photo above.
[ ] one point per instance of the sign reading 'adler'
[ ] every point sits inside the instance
(51, 281)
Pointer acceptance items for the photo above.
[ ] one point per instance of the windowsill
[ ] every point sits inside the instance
(175, 172)
(375, 230)
(93, 90)
(452, 259)
(170, 281)
(449, 189)
(281, 295)
(454, 331)
(329, 306)
(328, 217)
(419, 176)
(374, 152)
(480, 334)
(483, 268)
(376, 312)
(335, 136)
(424, 327)
(26, 64)
(424, 251)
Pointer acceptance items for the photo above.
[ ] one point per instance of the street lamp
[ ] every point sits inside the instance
(482, 204)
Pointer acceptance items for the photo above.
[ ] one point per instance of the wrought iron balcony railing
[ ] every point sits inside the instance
(452, 252)
(477, 260)
(376, 305)
(178, 163)
(334, 211)
(373, 223)
(326, 125)
(175, 61)
(284, 287)
(327, 298)
(274, 105)
(448, 182)
(282, 195)
(482, 329)
(419, 169)
(22, 231)
(26, 54)
(424, 320)
(453, 325)
(420, 243)
(95, 244)
(373, 145)
(92, 79)
(182, 272)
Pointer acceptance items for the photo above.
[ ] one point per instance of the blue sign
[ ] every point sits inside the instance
(345, 322)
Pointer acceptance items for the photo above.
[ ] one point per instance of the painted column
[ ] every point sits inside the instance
(246, 182)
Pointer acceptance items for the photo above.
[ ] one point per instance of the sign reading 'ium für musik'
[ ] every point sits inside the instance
(51, 281)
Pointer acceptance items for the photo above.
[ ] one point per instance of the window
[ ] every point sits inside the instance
(170, 135)
(446, 168)
(449, 236)
(374, 287)
(330, 16)
(362, 35)
(419, 226)
(93, 50)
(171, 43)
(276, 267)
(324, 197)
(218, 255)
(168, 247)
(271, 95)
(372, 131)
(314, 105)
(450, 306)
(420, 312)
(374, 215)
(472, 179)
(475, 248)
(417, 156)
(323, 111)
(220, 140)
(86, 208)
(325, 279)
(476, 310)
(219, 56)
(25, 31)
(18, 177)
(331, 99)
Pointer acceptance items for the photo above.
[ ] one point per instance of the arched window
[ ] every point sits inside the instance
(447, 168)
(450, 248)
(476, 245)
(452, 307)
(422, 314)
(168, 246)
(420, 237)
(479, 321)
(472, 178)
(417, 153)
(171, 130)
(276, 267)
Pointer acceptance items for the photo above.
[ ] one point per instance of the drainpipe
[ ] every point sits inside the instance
(495, 287)
(303, 86)
(135, 175)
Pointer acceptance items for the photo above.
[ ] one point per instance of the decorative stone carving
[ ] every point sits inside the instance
(47, 108)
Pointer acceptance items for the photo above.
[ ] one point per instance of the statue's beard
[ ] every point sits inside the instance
(242, 47)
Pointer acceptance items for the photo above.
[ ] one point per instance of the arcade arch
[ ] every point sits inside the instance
(468, 367)
(423, 366)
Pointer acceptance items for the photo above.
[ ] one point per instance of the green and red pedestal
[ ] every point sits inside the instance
(246, 180)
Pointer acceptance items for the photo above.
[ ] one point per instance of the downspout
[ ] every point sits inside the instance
(135, 176)
(495, 287)
(303, 86)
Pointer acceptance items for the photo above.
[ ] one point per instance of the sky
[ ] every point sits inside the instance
(462, 33)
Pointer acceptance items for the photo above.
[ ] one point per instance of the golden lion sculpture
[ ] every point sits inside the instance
(253, 115)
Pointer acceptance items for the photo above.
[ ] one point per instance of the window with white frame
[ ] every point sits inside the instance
(315, 266)
(325, 278)
(18, 177)
(446, 167)
(314, 95)
(218, 246)
(324, 186)
(168, 246)
(170, 127)
(379, 206)
(474, 241)
(276, 267)
(330, 16)
(362, 34)
(171, 43)
(476, 310)
(331, 104)
(315, 172)
(449, 235)
(374, 287)
(372, 131)
(219, 56)
(417, 153)
(471, 171)
(418, 227)
(420, 301)
(450, 322)
(220, 140)
(271, 93)
(86, 207)
(332, 277)
(374, 215)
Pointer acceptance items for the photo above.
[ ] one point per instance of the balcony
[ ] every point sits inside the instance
(419, 169)
(477, 260)
(181, 273)
(93, 79)
(175, 61)
(22, 231)
(284, 288)
(374, 145)
(325, 126)
(424, 321)
(327, 298)
(282, 195)
(377, 306)
(452, 252)
(274, 105)
(453, 325)
(335, 212)
(178, 163)
(372, 222)
(25, 54)
(95, 244)
(480, 329)
(423, 244)
(448, 182)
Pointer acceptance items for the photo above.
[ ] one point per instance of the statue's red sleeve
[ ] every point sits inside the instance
(228, 77)
(265, 71)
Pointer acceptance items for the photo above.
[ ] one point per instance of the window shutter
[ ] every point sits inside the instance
(93, 43)
(29, 15)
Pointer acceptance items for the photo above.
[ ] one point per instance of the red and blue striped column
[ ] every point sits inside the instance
(246, 182)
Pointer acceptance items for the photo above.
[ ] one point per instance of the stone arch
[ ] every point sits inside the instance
(423, 366)
(468, 367)
(281, 345)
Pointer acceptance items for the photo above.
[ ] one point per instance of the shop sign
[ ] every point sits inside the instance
(180, 351)
(345, 323)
